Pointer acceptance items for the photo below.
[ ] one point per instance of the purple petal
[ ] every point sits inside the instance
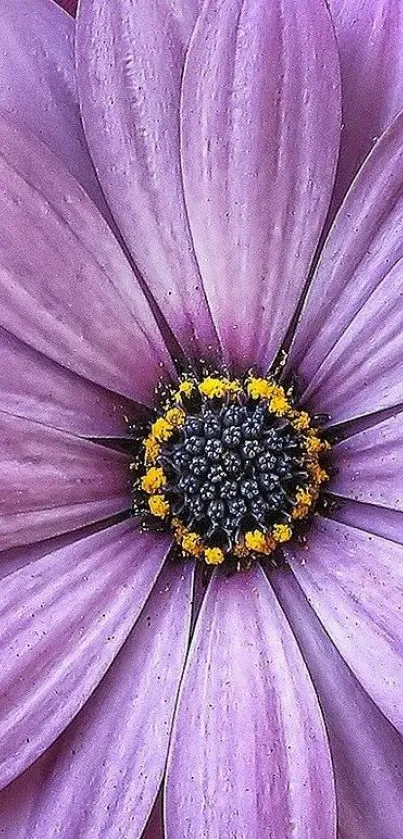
(345, 347)
(130, 61)
(354, 582)
(114, 753)
(369, 37)
(63, 620)
(260, 134)
(372, 519)
(65, 287)
(367, 752)
(18, 799)
(36, 388)
(369, 465)
(249, 752)
(69, 6)
(52, 482)
(38, 83)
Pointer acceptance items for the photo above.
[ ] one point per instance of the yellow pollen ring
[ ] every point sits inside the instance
(282, 532)
(215, 387)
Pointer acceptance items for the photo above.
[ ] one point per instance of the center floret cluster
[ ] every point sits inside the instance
(230, 466)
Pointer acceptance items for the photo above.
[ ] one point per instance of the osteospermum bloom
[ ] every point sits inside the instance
(201, 420)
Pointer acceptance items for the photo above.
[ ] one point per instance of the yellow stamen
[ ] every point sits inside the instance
(158, 505)
(153, 480)
(191, 543)
(152, 449)
(215, 387)
(162, 430)
(176, 417)
(260, 542)
(214, 556)
(282, 532)
(260, 388)
(301, 421)
(279, 404)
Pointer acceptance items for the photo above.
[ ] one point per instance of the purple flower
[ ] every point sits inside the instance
(174, 224)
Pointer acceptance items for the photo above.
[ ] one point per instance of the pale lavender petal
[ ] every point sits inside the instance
(66, 288)
(34, 387)
(63, 619)
(130, 61)
(38, 84)
(367, 752)
(249, 754)
(260, 135)
(114, 753)
(52, 482)
(345, 347)
(369, 38)
(354, 582)
(369, 465)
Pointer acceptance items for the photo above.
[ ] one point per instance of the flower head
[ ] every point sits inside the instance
(201, 420)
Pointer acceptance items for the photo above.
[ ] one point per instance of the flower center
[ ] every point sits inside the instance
(231, 467)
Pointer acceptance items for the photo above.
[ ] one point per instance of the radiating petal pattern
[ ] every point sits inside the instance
(52, 482)
(369, 37)
(367, 752)
(63, 619)
(34, 387)
(354, 582)
(259, 154)
(114, 753)
(249, 755)
(369, 465)
(351, 310)
(38, 84)
(130, 59)
(18, 798)
(65, 287)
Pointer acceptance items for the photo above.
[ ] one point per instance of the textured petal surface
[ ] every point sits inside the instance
(114, 752)
(249, 752)
(65, 286)
(130, 60)
(36, 388)
(63, 620)
(260, 134)
(369, 465)
(367, 752)
(354, 582)
(346, 344)
(52, 482)
(38, 84)
(369, 37)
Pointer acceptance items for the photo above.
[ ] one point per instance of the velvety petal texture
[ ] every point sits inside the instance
(369, 517)
(52, 482)
(34, 387)
(65, 286)
(369, 465)
(354, 582)
(367, 752)
(260, 135)
(114, 753)
(130, 56)
(347, 347)
(369, 38)
(38, 84)
(63, 620)
(249, 755)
